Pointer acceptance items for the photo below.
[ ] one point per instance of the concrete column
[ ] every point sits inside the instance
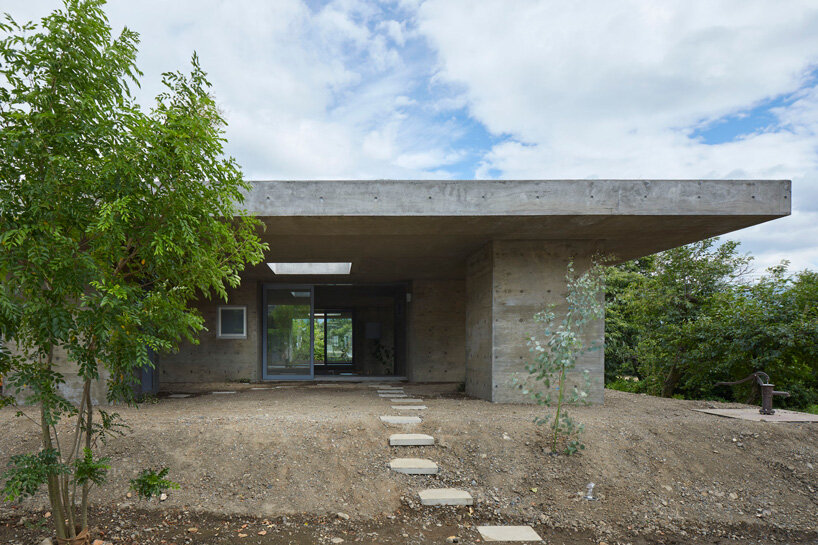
(508, 281)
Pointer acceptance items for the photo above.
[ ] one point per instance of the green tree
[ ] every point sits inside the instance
(687, 318)
(772, 326)
(114, 220)
(671, 309)
(621, 328)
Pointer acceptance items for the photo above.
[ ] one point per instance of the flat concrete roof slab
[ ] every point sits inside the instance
(517, 197)
(392, 230)
(508, 533)
(410, 407)
(401, 419)
(445, 496)
(753, 415)
(413, 466)
(410, 440)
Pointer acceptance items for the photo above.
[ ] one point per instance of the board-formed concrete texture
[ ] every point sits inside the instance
(781, 415)
(508, 533)
(475, 260)
(413, 466)
(445, 496)
(410, 440)
(401, 419)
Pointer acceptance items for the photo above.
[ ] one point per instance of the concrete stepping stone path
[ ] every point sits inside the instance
(445, 496)
(178, 396)
(413, 466)
(392, 395)
(410, 407)
(413, 400)
(401, 419)
(223, 393)
(410, 440)
(395, 391)
(508, 533)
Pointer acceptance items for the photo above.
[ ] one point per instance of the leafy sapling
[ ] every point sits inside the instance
(556, 349)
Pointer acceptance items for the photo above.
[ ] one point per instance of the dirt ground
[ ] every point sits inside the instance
(278, 465)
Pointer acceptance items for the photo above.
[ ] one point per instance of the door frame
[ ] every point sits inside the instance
(302, 287)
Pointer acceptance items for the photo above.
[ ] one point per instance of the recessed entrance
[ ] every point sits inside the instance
(337, 330)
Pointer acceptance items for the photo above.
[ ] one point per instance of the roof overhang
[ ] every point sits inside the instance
(397, 230)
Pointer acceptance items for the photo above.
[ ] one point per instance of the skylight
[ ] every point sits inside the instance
(310, 268)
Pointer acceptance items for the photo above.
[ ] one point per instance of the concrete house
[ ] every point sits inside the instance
(438, 281)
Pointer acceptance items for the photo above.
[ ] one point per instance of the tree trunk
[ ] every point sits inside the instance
(671, 381)
(88, 429)
(53, 483)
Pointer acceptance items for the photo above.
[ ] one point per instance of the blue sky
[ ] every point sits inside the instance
(506, 89)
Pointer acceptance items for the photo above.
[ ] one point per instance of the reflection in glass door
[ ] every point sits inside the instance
(338, 337)
(333, 338)
(288, 339)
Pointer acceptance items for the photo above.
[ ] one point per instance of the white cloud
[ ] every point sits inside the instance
(355, 89)
(306, 92)
(616, 89)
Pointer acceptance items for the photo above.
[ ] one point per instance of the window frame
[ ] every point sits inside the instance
(219, 333)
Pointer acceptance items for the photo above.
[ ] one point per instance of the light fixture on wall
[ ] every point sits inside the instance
(310, 268)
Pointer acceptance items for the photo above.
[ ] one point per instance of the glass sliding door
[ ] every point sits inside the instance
(288, 332)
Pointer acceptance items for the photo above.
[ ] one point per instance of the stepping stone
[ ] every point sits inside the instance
(508, 533)
(445, 496)
(222, 393)
(401, 419)
(178, 396)
(410, 440)
(413, 466)
(410, 407)
(406, 400)
(392, 395)
(391, 391)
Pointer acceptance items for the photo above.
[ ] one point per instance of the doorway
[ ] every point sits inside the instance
(333, 330)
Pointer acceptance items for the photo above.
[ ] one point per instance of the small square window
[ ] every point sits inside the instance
(232, 322)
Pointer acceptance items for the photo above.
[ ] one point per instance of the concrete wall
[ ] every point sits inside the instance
(367, 361)
(521, 277)
(479, 331)
(215, 359)
(71, 389)
(437, 333)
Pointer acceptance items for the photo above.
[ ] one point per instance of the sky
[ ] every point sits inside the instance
(505, 89)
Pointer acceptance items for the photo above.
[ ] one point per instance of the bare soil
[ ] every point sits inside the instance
(284, 461)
